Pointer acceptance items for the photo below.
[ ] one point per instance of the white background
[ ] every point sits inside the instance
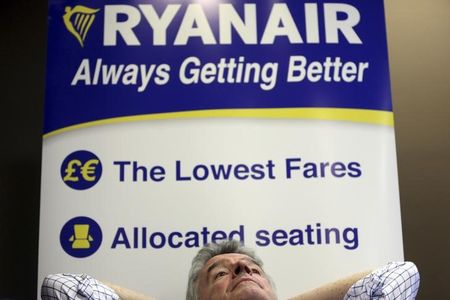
(369, 202)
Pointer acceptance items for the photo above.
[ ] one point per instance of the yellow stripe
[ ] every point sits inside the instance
(77, 19)
(80, 22)
(83, 25)
(332, 114)
(91, 20)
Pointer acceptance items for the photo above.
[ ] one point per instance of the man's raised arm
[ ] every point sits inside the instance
(332, 291)
(394, 281)
(85, 287)
(127, 294)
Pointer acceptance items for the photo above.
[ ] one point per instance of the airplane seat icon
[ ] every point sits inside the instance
(81, 239)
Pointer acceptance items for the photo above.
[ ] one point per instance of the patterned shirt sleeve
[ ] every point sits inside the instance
(75, 287)
(396, 280)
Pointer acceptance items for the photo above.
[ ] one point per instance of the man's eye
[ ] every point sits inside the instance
(220, 274)
(256, 271)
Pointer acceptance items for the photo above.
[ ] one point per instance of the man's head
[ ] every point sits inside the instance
(228, 271)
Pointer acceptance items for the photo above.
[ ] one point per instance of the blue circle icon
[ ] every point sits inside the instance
(81, 237)
(81, 170)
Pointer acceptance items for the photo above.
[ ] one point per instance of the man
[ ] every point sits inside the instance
(230, 271)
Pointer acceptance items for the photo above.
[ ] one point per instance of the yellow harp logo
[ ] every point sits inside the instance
(78, 20)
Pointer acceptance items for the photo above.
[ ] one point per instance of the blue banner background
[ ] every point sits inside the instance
(68, 105)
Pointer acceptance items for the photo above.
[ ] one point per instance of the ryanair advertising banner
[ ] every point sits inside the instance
(172, 124)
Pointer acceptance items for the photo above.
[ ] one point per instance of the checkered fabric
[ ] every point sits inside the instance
(395, 281)
(75, 287)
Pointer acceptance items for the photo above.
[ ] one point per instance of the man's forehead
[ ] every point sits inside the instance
(227, 258)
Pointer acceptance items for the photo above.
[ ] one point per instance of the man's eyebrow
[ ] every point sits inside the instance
(214, 265)
(252, 260)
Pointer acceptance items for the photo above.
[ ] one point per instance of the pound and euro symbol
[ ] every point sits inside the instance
(87, 170)
(81, 170)
(78, 21)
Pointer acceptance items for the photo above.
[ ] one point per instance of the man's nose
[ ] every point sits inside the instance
(241, 267)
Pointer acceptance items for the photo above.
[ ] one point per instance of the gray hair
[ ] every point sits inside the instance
(208, 252)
